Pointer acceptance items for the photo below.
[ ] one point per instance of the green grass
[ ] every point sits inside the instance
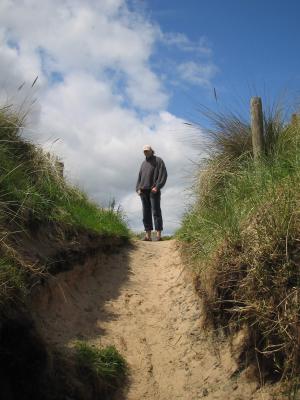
(12, 281)
(106, 363)
(31, 184)
(88, 214)
(229, 205)
(242, 236)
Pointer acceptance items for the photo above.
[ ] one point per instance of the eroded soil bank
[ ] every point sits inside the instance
(142, 300)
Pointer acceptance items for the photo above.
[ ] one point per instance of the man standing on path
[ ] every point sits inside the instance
(152, 178)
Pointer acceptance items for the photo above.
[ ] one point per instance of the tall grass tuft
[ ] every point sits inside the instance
(243, 237)
(106, 363)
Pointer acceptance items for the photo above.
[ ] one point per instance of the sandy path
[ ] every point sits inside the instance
(143, 302)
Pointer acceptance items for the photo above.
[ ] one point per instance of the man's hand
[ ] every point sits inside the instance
(139, 192)
(154, 189)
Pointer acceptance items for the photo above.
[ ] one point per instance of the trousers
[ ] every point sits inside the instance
(151, 206)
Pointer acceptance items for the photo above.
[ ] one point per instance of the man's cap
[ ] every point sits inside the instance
(147, 147)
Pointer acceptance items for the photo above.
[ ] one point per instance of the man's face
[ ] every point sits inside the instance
(148, 153)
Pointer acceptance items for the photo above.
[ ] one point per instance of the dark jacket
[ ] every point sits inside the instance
(153, 173)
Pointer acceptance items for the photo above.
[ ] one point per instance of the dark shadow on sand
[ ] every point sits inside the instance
(71, 306)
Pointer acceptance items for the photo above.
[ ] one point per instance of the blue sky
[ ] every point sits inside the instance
(255, 46)
(117, 74)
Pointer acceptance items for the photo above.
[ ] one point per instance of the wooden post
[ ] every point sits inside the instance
(257, 127)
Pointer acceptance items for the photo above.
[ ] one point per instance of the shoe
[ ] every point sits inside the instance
(159, 239)
(147, 239)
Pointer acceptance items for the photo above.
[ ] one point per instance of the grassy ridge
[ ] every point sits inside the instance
(31, 184)
(33, 192)
(243, 237)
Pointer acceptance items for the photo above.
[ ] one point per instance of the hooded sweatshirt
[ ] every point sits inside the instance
(153, 173)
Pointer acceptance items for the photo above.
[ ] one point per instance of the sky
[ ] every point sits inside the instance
(114, 75)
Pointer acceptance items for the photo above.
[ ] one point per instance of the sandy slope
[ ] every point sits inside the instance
(142, 301)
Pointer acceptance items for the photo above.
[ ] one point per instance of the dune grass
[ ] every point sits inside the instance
(30, 184)
(12, 281)
(86, 213)
(242, 236)
(106, 363)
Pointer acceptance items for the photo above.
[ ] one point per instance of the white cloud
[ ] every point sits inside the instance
(197, 73)
(181, 41)
(79, 35)
(98, 94)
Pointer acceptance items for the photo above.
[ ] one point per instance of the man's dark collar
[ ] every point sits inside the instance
(150, 158)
